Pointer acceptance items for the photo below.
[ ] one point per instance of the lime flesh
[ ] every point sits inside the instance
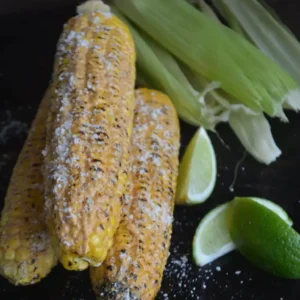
(212, 239)
(197, 171)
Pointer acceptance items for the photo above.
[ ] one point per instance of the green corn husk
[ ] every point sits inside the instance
(207, 10)
(212, 112)
(255, 134)
(275, 16)
(229, 17)
(253, 130)
(257, 22)
(215, 51)
(158, 69)
(266, 31)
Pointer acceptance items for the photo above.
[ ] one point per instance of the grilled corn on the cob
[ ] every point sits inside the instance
(26, 254)
(134, 266)
(89, 131)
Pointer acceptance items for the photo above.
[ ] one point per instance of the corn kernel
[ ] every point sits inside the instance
(9, 255)
(10, 271)
(94, 239)
(12, 230)
(98, 252)
(22, 254)
(13, 243)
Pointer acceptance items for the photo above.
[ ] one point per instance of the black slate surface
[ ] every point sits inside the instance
(28, 40)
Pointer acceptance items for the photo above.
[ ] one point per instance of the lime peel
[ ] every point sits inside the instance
(275, 208)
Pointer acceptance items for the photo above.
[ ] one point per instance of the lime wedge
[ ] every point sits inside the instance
(265, 237)
(197, 171)
(212, 238)
(278, 210)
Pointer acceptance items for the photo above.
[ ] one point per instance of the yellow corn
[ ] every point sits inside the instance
(88, 135)
(26, 254)
(134, 266)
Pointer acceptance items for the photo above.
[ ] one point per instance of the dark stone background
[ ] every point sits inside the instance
(28, 34)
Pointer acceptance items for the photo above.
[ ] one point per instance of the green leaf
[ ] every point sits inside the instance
(256, 21)
(216, 52)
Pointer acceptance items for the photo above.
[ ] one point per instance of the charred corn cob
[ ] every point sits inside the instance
(26, 254)
(134, 266)
(88, 135)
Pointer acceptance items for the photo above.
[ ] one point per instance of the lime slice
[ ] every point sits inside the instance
(197, 171)
(264, 237)
(212, 238)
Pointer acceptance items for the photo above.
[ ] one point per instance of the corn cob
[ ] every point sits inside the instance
(26, 254)
(134, 266)
(88, 135)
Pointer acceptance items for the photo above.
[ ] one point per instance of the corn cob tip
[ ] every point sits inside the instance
(115, 291)
(92, 6)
